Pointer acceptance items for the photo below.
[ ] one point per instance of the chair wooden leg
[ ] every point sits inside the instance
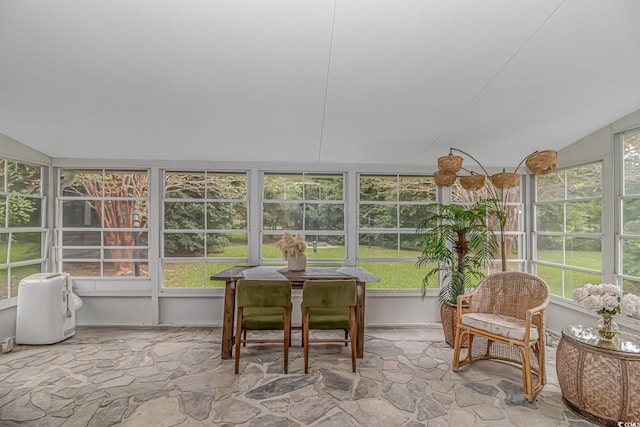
(526, 374)
(354, 334)
(305, 339)
(456, 349)
(238, 335)
(287, 339)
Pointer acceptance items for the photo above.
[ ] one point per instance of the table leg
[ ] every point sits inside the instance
(227, 321)
(360, 288)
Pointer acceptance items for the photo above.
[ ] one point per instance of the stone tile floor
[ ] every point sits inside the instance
(175, 377)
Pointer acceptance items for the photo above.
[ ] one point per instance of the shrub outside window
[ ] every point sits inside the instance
(22, 232)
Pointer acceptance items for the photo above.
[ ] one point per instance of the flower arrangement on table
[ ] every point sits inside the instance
(292, 249)
(605, 299)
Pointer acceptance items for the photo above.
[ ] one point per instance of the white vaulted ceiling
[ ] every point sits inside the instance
(314, 81)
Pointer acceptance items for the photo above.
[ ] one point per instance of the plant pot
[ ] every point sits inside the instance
(297, 263)
(448, 316)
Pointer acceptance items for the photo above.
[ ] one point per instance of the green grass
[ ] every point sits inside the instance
(573, 279)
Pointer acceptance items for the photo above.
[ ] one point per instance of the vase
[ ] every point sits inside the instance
(607, 326)
(297, 263)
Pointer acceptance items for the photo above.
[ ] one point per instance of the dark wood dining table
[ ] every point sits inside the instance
(297, 279)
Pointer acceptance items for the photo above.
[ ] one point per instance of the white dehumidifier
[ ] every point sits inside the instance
(46, 309)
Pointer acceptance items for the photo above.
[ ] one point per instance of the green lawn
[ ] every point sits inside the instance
(393, 275)
(573, 279)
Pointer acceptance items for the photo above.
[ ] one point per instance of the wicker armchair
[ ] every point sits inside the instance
(505, 321)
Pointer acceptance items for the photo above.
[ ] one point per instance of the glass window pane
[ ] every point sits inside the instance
(81, 269)
(388, 272)
(550, 217)
(631, 162)
(411, 275)
(283, 187)
(631, 216)
(226, 186)
(230, 245)
(3, 211)
(585, 253)
(185, 275)
(126, 269)
(577, 279)
(4, 283)
(584, 217)
(628, 286)
(514, 215)
(125, 253)
(552, 276)
(549, 248)
(2, 182)
(25, 246)
(125, 183)
(81, 213)
(4, 248)
(25, 212)
(23, 178)
(93, 254)
(323, 247)
(378, 216)
(226, 215)
(282, 216)
(631, 257)
(416, 188)
(324, 217)
(550, 186)
(125, 238)
(375, 245)
(411, 245)
(323, 187)
(184, 245)
(215, 268)
(188, 185)
(513, 245)
(81, 183)
(584, 181)
(120, 213)
(183, 216)
(378, 188)
(412, 215)
(81, 238)
(269, 249)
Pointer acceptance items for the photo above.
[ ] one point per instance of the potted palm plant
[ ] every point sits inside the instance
(460, 243)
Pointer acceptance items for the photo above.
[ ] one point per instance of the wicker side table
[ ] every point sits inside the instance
(600, 379)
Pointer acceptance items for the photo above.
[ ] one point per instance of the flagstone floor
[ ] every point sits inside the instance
(175, 377)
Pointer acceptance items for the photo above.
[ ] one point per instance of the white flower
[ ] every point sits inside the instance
(580, 294)
(610, 302)
(611, 289)
(594, 302)
(631, 305)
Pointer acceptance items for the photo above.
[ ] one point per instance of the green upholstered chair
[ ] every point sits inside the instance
(328, 305)
(263, 305)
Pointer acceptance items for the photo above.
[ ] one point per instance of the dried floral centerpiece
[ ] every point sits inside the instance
(292, 249)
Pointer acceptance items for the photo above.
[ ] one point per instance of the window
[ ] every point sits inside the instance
(629, 202)
(204, 226)
(101, 226)
(22, 232)
(514, 236)
(568, 228)
(390, 209)
(307, 203)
